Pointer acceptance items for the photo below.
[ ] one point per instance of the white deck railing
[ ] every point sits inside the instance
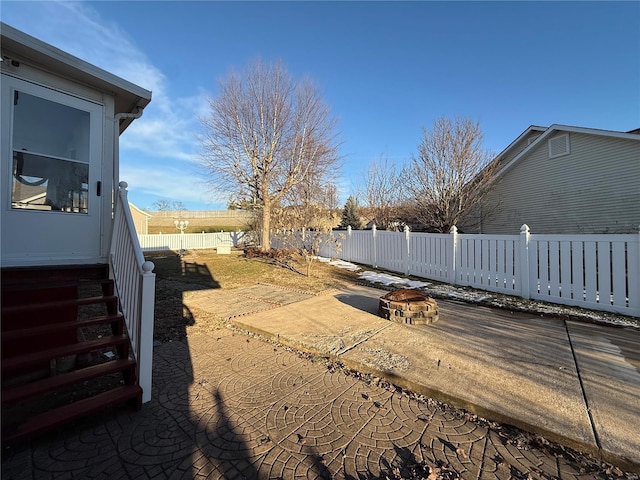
(135, 285)
(600, 272)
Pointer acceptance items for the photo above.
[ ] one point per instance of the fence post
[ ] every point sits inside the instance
(407, 253)
(524, 262)
(347, 250)
(375, 248)
(454, 255)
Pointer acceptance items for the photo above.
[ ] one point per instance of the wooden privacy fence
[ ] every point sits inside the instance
(601, 272)
(190, 241)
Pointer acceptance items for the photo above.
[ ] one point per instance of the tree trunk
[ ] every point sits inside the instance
(266, 224)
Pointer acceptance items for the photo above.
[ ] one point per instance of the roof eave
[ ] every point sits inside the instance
(564, 128)
(129, 96)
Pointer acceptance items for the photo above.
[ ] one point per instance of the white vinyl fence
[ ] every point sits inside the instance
(601, 272)
(190, 241)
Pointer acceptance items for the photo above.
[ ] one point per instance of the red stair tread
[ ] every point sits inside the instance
(63, 303)
(16, 394)
(56, 327)
(61, 415)
(13, 364)
(53, 273)
(34, 286)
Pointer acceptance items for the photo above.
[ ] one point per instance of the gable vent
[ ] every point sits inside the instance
(559, 146)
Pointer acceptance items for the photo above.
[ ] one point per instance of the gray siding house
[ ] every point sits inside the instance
(565, 180)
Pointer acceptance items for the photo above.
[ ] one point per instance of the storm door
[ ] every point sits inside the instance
(51, 168)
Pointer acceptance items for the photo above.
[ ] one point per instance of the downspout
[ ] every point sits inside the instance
(115, 174)
(116, 143)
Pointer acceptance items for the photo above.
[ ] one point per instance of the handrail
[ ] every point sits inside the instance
(135, 285)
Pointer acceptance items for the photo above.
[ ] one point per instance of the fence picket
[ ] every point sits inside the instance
(604, 272)
(618, 277)
(577, 271)
(566, 256)
(554, 269)
(590, 270)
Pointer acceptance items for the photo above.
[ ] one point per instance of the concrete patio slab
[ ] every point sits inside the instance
(609, 363)
(511, 367)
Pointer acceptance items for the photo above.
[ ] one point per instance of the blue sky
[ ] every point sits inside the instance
(386, 69)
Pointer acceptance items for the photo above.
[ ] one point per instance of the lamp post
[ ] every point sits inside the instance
(181, 225)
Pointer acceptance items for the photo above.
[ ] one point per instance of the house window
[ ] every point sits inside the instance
(50, 155)
(559, 146)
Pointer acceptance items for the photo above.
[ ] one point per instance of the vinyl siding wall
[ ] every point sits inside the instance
(594, 189)
(518, 147)
(473, 220)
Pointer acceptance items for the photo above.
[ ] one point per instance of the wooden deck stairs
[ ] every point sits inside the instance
(65, 349)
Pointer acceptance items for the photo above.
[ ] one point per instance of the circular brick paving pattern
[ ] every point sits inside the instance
(230, 406)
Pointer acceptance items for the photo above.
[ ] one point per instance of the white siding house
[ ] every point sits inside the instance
(61, 118)
(565, 180)
(67, 240)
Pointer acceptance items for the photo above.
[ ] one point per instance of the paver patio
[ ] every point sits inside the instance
(229, 405)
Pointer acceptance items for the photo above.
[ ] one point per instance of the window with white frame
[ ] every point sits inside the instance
(50, 155)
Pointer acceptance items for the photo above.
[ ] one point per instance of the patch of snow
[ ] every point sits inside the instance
(479, 296)
(386, 279)
(339, 263)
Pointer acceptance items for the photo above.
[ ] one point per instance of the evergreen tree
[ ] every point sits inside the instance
(350, 216)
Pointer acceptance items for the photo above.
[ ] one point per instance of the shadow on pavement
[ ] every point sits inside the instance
(361, 302)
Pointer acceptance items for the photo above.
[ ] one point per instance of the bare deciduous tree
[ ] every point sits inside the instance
(383, 192)
(446, 178)
(265, 134)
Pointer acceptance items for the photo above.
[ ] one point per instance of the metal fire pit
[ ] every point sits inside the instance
(408, 306)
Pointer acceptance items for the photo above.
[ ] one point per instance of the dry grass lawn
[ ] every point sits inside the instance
(203, 269)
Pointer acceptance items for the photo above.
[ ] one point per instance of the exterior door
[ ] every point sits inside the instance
(51, 167)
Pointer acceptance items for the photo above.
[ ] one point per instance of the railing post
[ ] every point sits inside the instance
(407, 252)
(524, 262)
(375, 247)
(454, 255)
(145, 339)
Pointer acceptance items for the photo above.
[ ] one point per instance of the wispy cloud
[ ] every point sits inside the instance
(169, 124)
(168, 182)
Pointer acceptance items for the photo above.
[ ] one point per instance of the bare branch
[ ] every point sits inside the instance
(446, 177)
(264, 135)
(383, 192)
